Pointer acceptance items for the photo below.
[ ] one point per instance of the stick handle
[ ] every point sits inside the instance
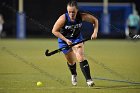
(63, 48)
(79, 42)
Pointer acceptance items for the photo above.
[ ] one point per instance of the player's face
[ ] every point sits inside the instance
(72, 11)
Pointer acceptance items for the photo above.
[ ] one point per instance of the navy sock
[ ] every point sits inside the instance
(85, 69)
(72, 68)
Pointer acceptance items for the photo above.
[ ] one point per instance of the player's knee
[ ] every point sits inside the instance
(71, 62)
(80, 57)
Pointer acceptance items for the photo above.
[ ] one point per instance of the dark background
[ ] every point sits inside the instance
(40, 15)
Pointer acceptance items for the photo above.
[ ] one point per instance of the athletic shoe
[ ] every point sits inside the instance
(90, 83)
(74, 80)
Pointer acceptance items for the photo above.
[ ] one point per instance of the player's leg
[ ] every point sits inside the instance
(79, 51)
(71, 62)
(67, 52)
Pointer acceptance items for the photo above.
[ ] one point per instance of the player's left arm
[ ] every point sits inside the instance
(90, 18)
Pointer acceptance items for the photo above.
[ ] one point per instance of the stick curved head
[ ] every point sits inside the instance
(47, 53)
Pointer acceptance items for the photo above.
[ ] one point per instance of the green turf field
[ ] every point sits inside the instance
(114, 64)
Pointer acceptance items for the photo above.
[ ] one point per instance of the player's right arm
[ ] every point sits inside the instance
(56, 29)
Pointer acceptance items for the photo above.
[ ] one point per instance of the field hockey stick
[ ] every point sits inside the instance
(47, 53)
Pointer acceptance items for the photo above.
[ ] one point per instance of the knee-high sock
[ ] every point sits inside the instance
(85, 69)
(72, 68)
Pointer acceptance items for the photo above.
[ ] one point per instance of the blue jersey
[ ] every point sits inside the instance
(71, 29)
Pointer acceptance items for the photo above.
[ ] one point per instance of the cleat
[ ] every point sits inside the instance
(74, 80)
(90, 83)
